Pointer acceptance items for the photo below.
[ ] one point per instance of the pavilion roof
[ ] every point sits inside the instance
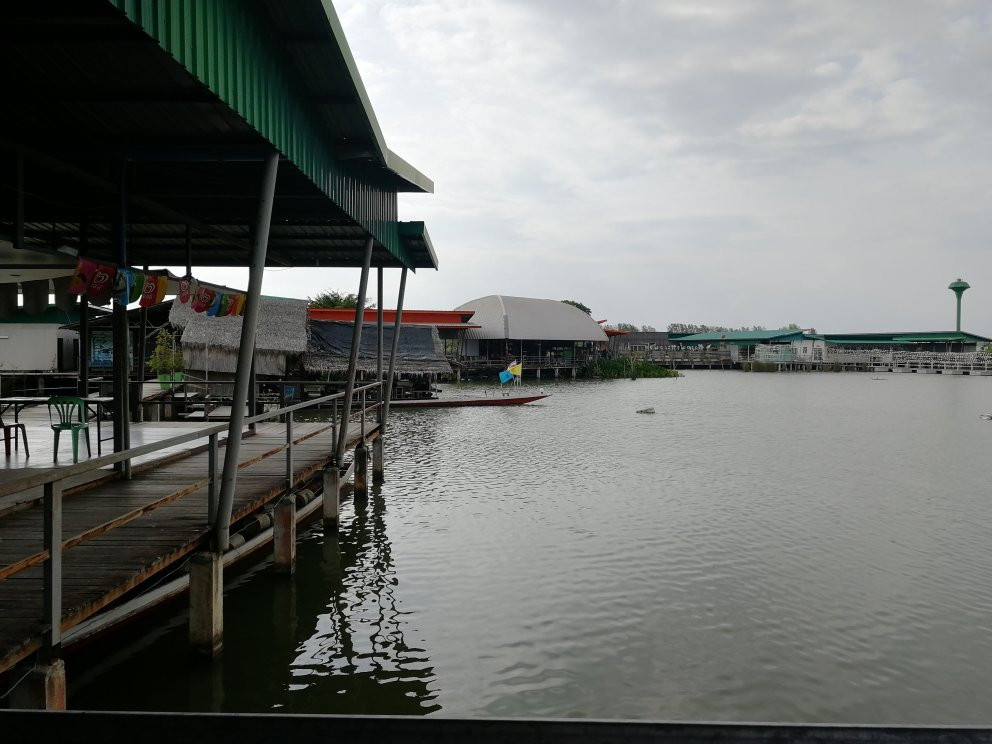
(177, 103)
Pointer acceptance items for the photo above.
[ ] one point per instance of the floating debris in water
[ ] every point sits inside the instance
(646, 410)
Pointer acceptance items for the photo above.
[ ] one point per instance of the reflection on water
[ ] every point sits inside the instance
(330, 639)
(779, 547)
(356, 650)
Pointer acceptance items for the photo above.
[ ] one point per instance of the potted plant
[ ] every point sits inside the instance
(167, 360)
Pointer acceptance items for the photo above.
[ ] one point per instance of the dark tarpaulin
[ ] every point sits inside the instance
(420, 349)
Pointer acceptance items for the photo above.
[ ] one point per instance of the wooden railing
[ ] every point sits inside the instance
(52, 482)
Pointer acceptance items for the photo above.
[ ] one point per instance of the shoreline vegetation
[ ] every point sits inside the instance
(613, 369)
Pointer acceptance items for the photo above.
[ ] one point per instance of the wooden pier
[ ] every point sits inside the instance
(785, 359)
(116, 537)
(687, 357)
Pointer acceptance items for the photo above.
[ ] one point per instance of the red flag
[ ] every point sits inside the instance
(204, 299)
(81, 279)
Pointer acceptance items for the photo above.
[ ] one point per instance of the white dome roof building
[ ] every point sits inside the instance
(542, 334)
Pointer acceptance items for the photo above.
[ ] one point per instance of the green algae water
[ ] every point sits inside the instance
(779, 547)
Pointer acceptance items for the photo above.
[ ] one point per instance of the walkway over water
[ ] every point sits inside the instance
(121, 551)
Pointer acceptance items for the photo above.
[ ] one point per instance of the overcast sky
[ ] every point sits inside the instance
(736, 163)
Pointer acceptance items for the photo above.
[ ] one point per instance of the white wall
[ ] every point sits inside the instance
(29, 346)
(808, 349)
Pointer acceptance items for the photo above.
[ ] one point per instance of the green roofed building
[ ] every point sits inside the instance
(946, 341)
(742, 338)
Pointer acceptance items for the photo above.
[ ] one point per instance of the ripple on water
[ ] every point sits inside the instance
(766, 547)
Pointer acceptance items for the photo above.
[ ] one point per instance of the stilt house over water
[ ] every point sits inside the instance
(544, 335)
(210, 345)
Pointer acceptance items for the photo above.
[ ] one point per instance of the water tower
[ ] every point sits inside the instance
(958, 289)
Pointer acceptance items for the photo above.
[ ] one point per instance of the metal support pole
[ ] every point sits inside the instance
(53, 569)
(189, 250)
(84, 325)
(248, 324)
(142, 343)
(252, 391)
(84, 347)
(392, 353)
(356, 340)
(334, 422)
(122, 360)
(19, 205)
(378, 346)
(212, 484)
(289, 452)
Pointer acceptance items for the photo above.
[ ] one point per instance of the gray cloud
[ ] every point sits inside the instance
(746, 161)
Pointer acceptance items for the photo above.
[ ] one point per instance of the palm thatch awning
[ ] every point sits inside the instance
(420, 353)
(211, 344)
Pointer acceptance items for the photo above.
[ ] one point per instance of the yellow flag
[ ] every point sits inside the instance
(516, 369)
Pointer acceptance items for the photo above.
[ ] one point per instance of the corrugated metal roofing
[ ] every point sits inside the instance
(530, 319)
(738, 336)
(910, 337)
(50, 316)
(191, 95)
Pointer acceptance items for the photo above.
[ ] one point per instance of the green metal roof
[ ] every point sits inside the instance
(229, 45)
(905, 337)
(49, 316)
(185, 97)
(867, 342)
(742, 336)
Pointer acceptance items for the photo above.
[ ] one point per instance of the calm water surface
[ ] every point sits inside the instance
(780, 547)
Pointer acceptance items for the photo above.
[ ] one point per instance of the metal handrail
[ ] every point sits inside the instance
(55, 544)
(32, 480)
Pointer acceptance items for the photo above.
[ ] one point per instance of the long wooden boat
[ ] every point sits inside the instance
(491, 400)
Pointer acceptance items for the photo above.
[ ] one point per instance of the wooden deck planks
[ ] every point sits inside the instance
(99, 571)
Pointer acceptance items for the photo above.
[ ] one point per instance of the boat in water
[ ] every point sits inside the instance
(488, 400)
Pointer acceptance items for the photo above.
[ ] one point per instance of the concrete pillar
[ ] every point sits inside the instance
(378, 467)
(284, 536)
(332, 496)
(361, 469)
(573, 373)
(538, 373)
(42, 689)
(206, 603)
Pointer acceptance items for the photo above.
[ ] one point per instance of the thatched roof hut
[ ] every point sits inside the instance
(211, 344)
(420, 353)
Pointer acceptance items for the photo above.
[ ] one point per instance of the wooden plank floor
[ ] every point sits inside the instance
(105, 568)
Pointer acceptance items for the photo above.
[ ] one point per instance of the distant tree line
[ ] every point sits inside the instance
(703, 328)
(680, 327)
(334, 299)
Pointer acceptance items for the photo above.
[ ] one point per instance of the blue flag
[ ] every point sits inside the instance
(505, 376)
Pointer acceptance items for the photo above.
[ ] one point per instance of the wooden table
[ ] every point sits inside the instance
(94, 404)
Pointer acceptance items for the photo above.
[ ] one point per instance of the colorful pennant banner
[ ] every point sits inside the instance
(101, 282)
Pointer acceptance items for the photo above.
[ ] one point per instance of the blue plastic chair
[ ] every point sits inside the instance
(71, 414)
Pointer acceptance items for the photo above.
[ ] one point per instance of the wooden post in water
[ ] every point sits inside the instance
(206, 603)
(332, 496)
(361, 469)
(285, 535)
(378, 466)
(42, 688)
